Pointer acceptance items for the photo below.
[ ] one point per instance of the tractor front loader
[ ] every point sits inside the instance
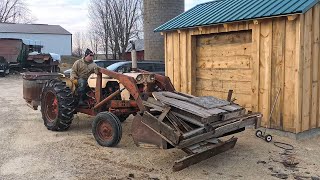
(163, 117)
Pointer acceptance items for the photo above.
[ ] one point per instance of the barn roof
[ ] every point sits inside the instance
(225, 11)
(32, 29)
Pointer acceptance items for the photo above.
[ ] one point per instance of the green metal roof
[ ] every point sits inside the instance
(224, 11)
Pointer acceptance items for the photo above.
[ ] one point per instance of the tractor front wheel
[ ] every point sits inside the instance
(57, 105)
(107, 129)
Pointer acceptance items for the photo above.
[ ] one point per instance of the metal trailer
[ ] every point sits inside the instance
(16, 52)
(163, 117)
(42, 62)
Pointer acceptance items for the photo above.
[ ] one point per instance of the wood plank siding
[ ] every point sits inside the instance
(224, 62)
(257, 59)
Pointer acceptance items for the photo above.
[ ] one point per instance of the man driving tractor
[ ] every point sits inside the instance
(81, 70)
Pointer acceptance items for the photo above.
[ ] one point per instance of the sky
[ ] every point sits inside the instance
(71, 14)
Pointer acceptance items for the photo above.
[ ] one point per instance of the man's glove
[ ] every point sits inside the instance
(96, 70)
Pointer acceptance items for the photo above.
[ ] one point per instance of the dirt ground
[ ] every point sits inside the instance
(29, 151)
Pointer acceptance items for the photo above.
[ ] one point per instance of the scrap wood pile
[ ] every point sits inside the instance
(193, 124)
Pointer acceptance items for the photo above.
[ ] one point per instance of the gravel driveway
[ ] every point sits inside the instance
(29, 151)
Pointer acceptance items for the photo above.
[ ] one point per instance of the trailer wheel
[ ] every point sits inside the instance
(57, 105)
(259, 133)
(106, 129)
(268, 138)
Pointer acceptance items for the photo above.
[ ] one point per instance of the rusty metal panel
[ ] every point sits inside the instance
(10, 49)
(143, 136)
(44, 57)
(33, 83)
(203, 152)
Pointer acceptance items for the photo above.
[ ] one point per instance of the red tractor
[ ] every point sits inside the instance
(163, 118)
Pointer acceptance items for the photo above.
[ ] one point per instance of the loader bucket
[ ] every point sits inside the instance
(144, 137)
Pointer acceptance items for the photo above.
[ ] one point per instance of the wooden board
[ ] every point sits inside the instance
(315, 66)
(239, 49)
(316, 51)
(299, 60)
(191, 71)
(225, 38)
(170, 56)
(166, 52)
(307, 72)
(193, 64)
(265, 70)
(238, 87)
(229, 62)
(277, 72)
(183, 60)
(176, 62)
(186, 106)
(255, 65)
(290, 78)
(314, 105)
(225, 74)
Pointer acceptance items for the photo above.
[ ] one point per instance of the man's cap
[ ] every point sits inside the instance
(88, 52)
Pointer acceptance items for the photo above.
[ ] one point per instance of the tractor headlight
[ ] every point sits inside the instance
(139, 78)
(151, 78)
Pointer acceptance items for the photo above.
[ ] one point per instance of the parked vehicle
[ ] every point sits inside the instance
(100, 63)
(26, 54)
(106, 63)
(4, 67)
(43, 62)
(157, 67)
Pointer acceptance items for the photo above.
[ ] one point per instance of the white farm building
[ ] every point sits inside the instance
(53, 38)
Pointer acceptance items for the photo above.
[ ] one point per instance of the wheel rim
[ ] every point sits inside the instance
(105, 131)
(51, 107)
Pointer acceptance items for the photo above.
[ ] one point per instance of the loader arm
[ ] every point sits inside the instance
(128, 82)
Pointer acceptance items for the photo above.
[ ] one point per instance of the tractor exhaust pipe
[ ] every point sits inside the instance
(134, 57)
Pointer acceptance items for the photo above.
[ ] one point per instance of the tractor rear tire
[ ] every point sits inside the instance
(107, 129)
(57, 105)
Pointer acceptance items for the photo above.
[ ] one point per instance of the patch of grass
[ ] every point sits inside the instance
(69, 59)
(67, 62)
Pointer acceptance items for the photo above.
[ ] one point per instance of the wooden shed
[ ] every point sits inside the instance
(257, 48)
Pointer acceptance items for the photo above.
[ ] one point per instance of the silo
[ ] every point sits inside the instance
(157, 12)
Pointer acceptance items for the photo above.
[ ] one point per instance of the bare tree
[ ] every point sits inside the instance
(94, 40)
(14, 11)
(99, 10)
(78, 44)
(117, 22)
